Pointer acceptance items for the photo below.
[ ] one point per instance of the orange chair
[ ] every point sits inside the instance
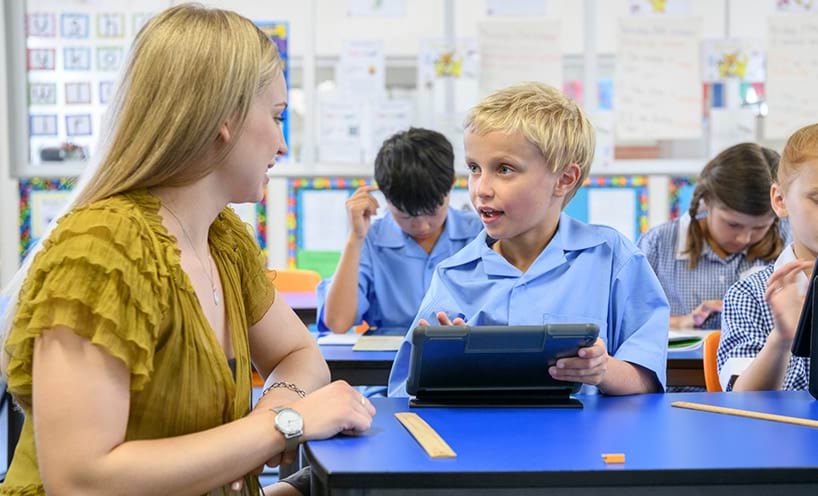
(711, 372)
(290, 281)
(295, 280)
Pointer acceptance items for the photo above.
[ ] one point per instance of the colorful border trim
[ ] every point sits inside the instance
(639, 183)
(674, 190)
(293, 186)
(26, 187)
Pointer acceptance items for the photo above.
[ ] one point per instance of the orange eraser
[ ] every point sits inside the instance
(613, 457)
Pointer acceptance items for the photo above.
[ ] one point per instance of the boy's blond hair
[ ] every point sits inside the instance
(548, 119)
(801, 147)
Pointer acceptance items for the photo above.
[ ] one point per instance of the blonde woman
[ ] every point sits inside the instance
(132, 329)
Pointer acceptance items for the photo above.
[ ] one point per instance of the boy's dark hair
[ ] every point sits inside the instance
(738, 178)
(415, 170)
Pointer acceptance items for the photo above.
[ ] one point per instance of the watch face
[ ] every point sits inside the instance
(289, 421)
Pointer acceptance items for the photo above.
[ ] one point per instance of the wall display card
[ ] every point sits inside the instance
(731, 126)
(379, 8)
(734, 58)
(361, 70)
(512, 52)
(78, 93)
(72, 48)
(41, 24)
(792, 62)
(658, 89)
(42, 93)
(659, 7)
(519, 8)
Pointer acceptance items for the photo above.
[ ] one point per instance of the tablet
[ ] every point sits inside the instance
(494, 365)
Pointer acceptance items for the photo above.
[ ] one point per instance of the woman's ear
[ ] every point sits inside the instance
(224, 133)
(777, 201)
(568, 179)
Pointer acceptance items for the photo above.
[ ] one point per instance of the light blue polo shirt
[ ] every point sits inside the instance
(587, 273)
(395, 271)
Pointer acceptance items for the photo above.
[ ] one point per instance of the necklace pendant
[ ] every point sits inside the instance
(215, 297)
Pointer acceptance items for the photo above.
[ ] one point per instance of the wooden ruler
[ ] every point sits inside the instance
(746, 413)
(429, 440)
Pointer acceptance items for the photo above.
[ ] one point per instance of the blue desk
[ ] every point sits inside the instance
(359, 368)
(371, 368)
(513, 451)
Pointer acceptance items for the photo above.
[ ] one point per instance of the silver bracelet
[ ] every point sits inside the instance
(286, 385)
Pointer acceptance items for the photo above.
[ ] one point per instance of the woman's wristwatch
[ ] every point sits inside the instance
(290, 424)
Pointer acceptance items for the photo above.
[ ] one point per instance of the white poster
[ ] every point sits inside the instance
(792, 62)
(659, 7)
(512, 52)
(658, 89)
(385, 118)
(45, 207)
(339, 131)
(361, 70)
(324, 219)
(603, 122)
(622, 218)
(731, 126)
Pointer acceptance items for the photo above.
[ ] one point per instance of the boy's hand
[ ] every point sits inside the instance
(588, 368)
(361, 206)
(443, 319)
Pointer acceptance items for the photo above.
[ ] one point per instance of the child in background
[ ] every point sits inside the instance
(729, 232)
(387, 264)
(528, 149)
(762, 311)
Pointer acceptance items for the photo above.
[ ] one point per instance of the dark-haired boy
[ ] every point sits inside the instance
(387, 264)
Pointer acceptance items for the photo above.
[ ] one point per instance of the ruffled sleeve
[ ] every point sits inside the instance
(97, 275)
(237, 237)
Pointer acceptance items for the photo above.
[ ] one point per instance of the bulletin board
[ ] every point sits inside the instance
(680, 192)
(73, 57)
(592, 203)
(317, 218)
(278, 32)
(42, 199)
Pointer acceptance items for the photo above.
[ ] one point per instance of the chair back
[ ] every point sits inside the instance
(711, 371)
(295, 280)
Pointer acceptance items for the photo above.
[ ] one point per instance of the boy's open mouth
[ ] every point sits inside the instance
(489, 214)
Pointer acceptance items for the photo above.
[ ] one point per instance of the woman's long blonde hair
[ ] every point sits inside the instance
(190, 70)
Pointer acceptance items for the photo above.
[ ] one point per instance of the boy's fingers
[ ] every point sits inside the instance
(423, 322)
(443, 319)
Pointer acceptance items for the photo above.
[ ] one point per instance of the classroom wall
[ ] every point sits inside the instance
(8, 186)
(323, 28)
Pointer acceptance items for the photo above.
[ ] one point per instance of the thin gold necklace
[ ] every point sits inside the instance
(192, 246)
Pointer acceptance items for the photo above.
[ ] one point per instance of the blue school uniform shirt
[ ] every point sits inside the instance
(395, 270)
(748, 321)
(586, 273)
(685, 289)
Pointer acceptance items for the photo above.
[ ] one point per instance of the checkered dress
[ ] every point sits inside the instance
(747, 321)
(686, 289)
